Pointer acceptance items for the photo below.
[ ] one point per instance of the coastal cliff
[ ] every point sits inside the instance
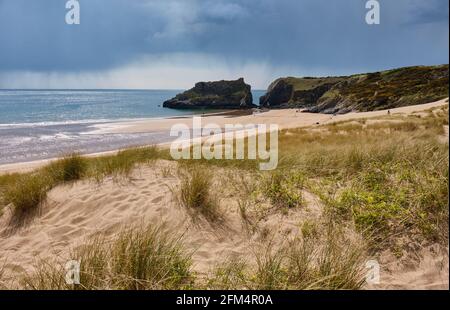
(214, 95)
(361, 92)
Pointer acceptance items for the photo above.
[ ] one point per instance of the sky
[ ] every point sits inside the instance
(171, 44)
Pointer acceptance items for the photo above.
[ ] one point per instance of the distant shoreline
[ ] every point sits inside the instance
(288, 118)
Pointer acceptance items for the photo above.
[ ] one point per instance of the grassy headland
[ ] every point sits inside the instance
(361, 92)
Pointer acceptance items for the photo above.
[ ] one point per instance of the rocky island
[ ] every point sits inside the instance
(214, 95)
(361, 92)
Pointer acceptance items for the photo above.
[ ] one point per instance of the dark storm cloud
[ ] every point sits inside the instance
(435, 11)
(304, 33)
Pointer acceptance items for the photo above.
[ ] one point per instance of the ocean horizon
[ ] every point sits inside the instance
(46, 123)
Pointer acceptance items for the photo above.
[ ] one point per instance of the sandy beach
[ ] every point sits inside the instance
(285, 119)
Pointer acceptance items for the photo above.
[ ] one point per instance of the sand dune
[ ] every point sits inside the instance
(75, 212)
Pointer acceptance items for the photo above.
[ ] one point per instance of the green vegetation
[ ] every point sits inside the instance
(310, 83)
(283, 188)
(122, 163)
(142, 258)
(27, 192)
(389, 179)
(196, 192)
(70, 168)
(400, 198)
(397, 88)
(326, 260)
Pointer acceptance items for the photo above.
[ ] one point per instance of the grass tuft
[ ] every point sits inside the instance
(196, 193)
(67, 169)
(27, 192)
(122, 163)
(142, 258)
(283, 188)
(327, 260)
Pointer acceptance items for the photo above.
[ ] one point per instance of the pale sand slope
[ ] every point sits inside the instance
(427, 269)
(283, 118)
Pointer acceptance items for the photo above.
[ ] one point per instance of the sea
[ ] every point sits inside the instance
(42, 124)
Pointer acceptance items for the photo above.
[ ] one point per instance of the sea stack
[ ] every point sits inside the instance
(214, 95)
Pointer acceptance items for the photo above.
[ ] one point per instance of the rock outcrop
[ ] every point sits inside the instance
(214, 95)
(361, 92)
(296, 92)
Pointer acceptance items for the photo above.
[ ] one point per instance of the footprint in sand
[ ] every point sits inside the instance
(157, 199)
(77, 220)
(60, 231)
